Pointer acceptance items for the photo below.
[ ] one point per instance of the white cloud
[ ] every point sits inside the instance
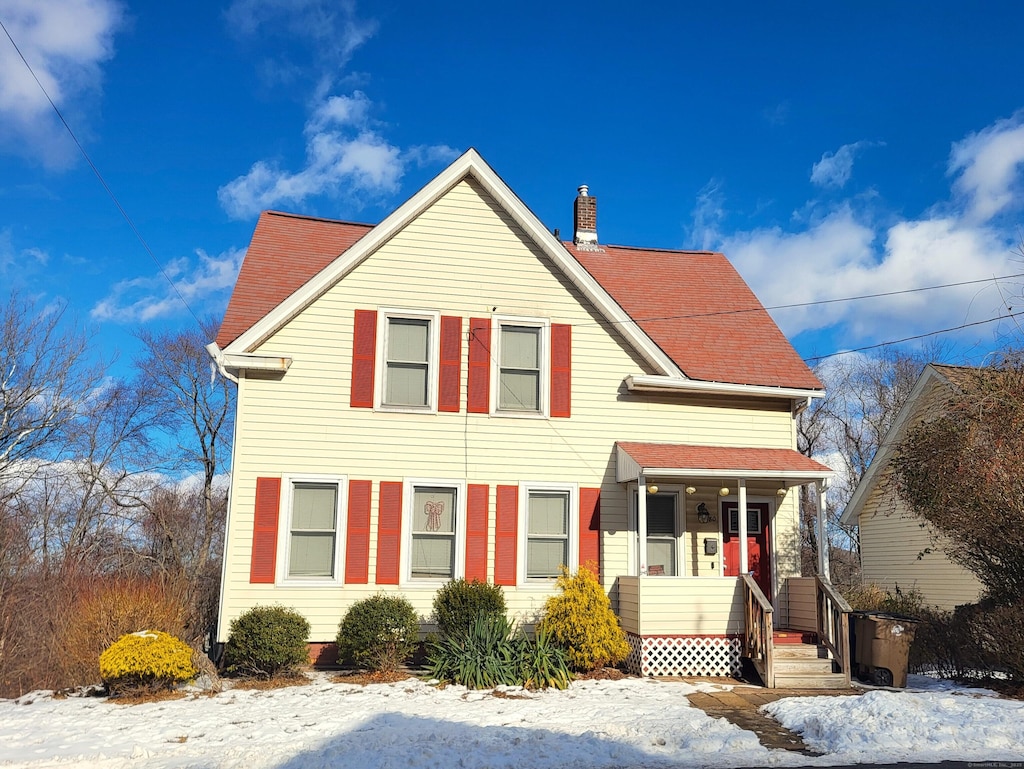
(65, 42)
(987, 167)
(834, 168)
(843, 250)
(346, 156)
(143, 299)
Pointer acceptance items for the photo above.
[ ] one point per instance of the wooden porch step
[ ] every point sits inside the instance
(817, 681)
(782, 636)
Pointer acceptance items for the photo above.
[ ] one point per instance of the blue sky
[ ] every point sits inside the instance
(830, 149)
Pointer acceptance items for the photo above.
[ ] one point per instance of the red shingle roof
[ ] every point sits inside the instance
(692, 304)
(711, 458)
(702, 314)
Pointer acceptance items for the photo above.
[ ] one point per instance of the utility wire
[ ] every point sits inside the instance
(99, 176)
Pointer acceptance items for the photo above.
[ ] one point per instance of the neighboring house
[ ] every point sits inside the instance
(456, 393)
(898, 549)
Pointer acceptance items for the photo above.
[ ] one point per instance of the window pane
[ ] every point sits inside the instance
(433, 510)
(545, 556)
(313, 506)
(519, 390)
(661, 556)
(549, 513)
(433, 557)
(661, 515)
(311, 555)
(520, 347)
(406, 385)
(408, 340)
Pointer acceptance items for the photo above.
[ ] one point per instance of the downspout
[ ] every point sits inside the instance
(218, 358)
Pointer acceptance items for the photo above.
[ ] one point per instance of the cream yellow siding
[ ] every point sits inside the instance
(464, 256)
(899, 550)
(801, 594)
(700, 606)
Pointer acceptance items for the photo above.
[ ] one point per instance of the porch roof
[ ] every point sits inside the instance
(683, 460)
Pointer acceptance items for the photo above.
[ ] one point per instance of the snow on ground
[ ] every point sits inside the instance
(629, 723)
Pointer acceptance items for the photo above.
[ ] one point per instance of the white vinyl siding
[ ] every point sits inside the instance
(471, 258)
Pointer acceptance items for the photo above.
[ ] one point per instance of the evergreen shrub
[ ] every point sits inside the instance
(267, 642)
(149, 660)
(458, 604)
(581, 620)
(378, 633)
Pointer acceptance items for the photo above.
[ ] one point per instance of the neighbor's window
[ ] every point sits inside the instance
(547, 533)
(433, 528)
(407, 366)
(519, 376)
(313, 530)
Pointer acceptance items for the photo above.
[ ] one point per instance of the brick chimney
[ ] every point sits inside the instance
(584, 233)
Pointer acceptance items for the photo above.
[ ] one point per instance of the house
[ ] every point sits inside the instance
(898, 549)
(455, 392)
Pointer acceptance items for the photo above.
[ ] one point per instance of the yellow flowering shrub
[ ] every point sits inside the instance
(580, 618)
(146, 661)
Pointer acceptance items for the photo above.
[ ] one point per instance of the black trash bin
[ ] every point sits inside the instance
(880, 645)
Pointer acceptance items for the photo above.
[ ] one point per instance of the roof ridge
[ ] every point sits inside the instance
(308, 217)
(647, 248)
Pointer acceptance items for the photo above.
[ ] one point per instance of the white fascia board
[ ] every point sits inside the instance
(648, 383)
(792, 476)
(472, 164)
(886, 448)
(251, 362)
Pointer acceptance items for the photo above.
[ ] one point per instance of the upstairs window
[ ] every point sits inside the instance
(408, 356)
(522, 366)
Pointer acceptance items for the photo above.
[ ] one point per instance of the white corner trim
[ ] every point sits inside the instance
(469, 164)
(648, 383)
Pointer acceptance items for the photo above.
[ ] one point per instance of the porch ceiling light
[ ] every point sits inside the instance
(691, 489)
(782, 491)
(652, 489)
(724, 491)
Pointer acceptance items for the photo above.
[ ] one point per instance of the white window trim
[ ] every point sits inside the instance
(497, 321)
(633, 517)
(433, 358)
(404, 558)
(285, 531)
(525, 487)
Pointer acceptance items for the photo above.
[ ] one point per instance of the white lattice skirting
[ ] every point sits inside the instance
(689, 656)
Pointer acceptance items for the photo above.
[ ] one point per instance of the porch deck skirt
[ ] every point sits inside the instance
(684, 655)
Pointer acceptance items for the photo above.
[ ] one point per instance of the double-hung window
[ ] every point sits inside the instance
(314, 523)
(549, 529)
(661, 534)
(435, 522)
(521, 384)
(408, 349)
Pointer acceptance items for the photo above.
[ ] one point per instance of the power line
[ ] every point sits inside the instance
(912, 338)
(99, 176)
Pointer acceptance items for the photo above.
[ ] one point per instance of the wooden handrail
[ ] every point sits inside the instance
(758, 638)
(834, 623)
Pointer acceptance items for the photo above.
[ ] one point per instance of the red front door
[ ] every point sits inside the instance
(757, 543)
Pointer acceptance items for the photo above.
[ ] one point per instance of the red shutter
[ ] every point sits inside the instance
(389, 532)
(450, 370)
(264, 531)
(590, 529)
(364, 349)
(561, 370)
(476, 531)
(479, 366)
(357, 549)
(506, 530)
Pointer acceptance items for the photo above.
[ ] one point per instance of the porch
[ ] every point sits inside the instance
(705, 626)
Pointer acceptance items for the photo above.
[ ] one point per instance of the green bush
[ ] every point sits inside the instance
(267, 642)
(581, 620)
(542, 663)
(378, 633)
(458, 604)
(149, 660)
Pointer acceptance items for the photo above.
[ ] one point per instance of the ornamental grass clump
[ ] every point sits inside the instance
(267, 642)
(581, 620)
(145, 662)
(378, 633)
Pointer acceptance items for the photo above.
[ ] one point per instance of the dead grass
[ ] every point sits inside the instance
(362, 678)
(140, 698)
(602, 674)
(268, 684)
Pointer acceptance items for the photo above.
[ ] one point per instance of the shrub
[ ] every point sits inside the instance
(458, 604)
(267, 642)
(581, 620)
(378, 633)
(149, 660)
(871, 597)
(997, 632)
(542, 663)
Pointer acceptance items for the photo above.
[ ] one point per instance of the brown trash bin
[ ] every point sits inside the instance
(882, 647)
